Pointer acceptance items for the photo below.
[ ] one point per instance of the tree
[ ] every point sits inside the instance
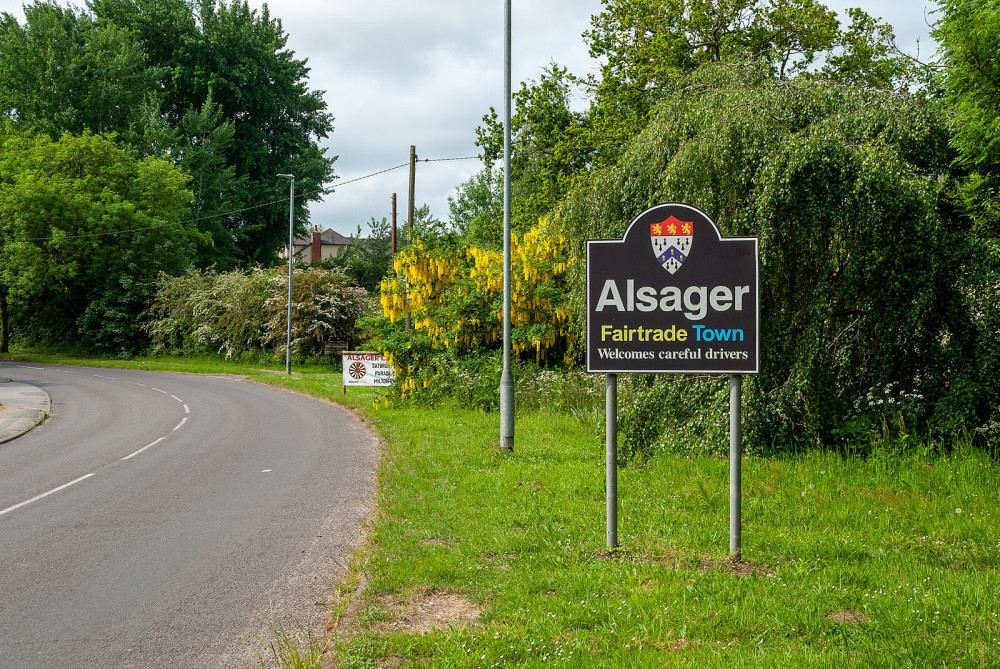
(228, 55)
(209, 83)
(476, 209)
(968, 33)
(86, 228)
(546, 150)
(866, 56)
(199, 143)
(847, 190)
(647, 48)
(65, 72)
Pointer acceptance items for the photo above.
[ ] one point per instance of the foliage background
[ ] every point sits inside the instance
(85, 227)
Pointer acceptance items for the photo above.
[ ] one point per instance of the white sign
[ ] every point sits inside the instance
(363, 368)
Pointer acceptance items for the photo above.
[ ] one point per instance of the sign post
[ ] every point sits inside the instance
(735, 466)
(611, 454)
(673, 296)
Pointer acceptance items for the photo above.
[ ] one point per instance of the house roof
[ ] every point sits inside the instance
(327, 238)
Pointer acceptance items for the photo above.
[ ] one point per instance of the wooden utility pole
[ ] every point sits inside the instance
(393, 226)
(409, 216)
(413, 177)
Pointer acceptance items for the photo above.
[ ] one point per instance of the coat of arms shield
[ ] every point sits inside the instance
(671, 241)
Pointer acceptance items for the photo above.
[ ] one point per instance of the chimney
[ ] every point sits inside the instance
(317, 246)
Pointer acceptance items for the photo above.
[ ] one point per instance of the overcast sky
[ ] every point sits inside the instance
(398, 72)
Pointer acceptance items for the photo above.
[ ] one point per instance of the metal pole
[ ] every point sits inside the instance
(291, 257)
(735, 465)
(611, 454)
(507, 377)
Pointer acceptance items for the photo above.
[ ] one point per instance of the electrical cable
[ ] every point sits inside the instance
(329, 190)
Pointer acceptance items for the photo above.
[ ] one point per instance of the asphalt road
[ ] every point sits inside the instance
(164, 520)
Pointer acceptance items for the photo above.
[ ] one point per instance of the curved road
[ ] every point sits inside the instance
(161, 520)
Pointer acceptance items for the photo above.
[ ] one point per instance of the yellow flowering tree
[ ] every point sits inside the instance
(453, 295)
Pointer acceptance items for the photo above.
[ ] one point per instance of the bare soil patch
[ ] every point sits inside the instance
(737, 567)
(673, 559)
(848, 617)
(429, 609)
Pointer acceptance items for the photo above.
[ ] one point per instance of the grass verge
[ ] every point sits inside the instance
(888, 561)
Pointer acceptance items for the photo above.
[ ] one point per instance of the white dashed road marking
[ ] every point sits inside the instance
(179, 425)
(45, 494)
(128, 457)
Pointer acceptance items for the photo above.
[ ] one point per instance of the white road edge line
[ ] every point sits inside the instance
(178, 399)
(127, 457)
(186, 409)
(45, 494)
(135, 383)
(26, 367)
(159, 391)
(180, 424)
(110, 378)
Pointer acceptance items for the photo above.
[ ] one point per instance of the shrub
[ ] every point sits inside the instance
(453, 293)
(238, 313)
(862, 258)
(325, 305)
(209, 312)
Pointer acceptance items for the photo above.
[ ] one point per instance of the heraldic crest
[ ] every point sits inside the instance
(671, 242)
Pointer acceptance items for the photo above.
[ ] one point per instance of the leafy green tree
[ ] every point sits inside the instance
(546, 150)
(476, 209)
(865, 55)
(426, 227)
(646, 49)
(209, 83)
(228, 58)
(86, 228)
(968, 33)
(62, 71)
(200, 142)
(847, 189)
(647, 46)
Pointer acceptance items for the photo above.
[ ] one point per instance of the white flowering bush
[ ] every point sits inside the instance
(325, 306)
(244, 313)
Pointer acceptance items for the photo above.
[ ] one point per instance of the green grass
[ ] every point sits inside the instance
(907, 545)
(523, 535)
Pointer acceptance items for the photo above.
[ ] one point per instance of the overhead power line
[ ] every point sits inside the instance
(233, 212)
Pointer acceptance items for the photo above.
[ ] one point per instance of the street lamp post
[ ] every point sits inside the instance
(506, 377)
(291, 257)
